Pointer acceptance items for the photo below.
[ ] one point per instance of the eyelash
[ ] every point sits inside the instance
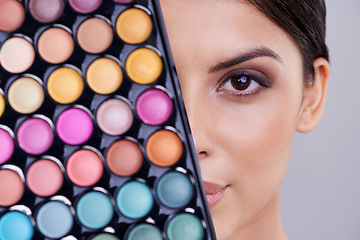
(262, 81)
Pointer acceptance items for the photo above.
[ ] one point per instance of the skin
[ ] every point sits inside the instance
(243, 138)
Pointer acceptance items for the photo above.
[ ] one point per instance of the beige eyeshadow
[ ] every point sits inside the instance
(94, 35)
(55, 45)
(17, 55)
(25, 95)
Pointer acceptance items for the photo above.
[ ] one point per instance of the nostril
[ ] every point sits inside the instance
(202, 154)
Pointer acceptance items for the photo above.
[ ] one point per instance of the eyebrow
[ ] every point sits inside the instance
(246, 56)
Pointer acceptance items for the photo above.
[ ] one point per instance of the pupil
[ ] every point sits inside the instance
(240, 83)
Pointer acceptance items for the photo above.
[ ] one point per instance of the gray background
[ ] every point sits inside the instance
(321, 191)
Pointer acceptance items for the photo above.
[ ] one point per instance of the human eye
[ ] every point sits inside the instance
(243, 83)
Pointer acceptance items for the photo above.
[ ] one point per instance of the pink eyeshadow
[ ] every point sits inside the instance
(11, 187)
(12, 15)
(84, 168)
(114, 117)
(44, 177)
(74, 126)
(6, 146)
(35, 136)
(154, 107)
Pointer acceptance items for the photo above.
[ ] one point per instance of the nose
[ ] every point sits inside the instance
(200, 122)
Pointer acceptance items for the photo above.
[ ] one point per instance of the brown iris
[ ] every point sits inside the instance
(240, 83)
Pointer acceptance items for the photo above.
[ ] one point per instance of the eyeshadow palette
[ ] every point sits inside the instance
(94, 140)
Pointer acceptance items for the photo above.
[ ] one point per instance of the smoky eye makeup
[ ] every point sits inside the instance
(244, 83)
(94, 140)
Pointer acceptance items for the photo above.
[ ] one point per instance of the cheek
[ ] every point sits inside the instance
(253, 147)
(256, 141)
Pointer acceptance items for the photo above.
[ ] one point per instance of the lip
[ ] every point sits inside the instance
(214, 193)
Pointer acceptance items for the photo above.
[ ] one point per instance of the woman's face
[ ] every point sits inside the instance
(242, 82)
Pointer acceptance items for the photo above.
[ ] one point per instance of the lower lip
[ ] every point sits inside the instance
(214, 193)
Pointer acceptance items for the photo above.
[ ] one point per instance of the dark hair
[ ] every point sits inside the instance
(305, 22)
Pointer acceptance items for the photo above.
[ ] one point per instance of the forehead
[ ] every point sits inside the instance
(217, 27)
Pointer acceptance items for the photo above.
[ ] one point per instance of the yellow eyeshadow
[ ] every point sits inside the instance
(65, 85)
(144, 66)
(2, 105)
(134, 26)
(104, 76)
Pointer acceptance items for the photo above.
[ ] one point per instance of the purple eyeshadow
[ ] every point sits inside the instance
(35, 136)
(85, 6)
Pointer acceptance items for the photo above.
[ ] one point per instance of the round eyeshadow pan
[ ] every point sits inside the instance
(35, 136)
(2, 104)
(114, 117)
(164, 148)
(55, 45)
(16, 225)
(154, 107)
(124, 158)
(74, 126)
(94, 35)
(185, 226)
(94, 210)
(145, 231)
(134, 26)
(134, 200)
(104, 236)
(17, 55)
(25, 95)
(12, 15)
(84, 168)
(85, 6)
(46, 11)
(65, 85)
(175, 190)
(104, 76)
(7, 145)
(54, 219)
(144, 66)
(44, 177)
(11, 187)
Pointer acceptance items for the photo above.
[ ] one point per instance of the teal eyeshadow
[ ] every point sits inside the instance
(134, 200)
(175, 190)
(54, 219)
(145, 232)
(94, 210)
(16, 225)
(185, 226)
(105, 236)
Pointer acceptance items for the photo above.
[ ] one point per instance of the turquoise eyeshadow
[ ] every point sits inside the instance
(145, 232)
(185, 226)
(134, 200)
(175, 190)
(94, 210)
(16, 225)
(54, 219)
(105, 236)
